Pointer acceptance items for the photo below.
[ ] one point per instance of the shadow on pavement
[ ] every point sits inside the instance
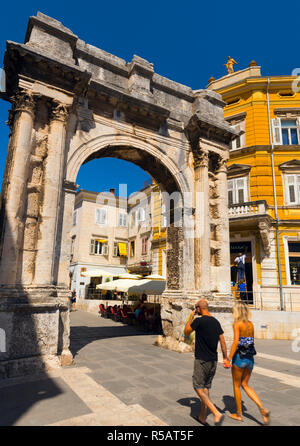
(80, 336)
(231, 408)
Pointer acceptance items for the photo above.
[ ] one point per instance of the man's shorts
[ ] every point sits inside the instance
(204, 372)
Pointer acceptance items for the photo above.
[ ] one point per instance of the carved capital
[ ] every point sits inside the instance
(200, 159)
(22, 101)
(222, 165)
(59, 112)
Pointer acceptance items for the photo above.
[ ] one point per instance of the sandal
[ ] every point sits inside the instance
(235, 415)
(265, 414)
(199, 421)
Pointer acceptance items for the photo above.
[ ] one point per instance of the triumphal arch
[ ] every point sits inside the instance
(71, 103)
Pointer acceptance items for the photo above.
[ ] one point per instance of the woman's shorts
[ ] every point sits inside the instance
(204, 373)
(243, 362)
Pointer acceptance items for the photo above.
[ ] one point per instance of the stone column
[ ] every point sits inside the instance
(223, 276)
(69, 191)
(23, 114)
(53, 175)
(202, 223)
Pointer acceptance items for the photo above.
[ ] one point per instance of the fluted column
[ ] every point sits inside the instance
(53, 174)
(14, 190)
(223, 276)
(202, 224)
(68, 198)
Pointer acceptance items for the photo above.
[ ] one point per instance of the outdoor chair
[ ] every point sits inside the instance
(103, 311)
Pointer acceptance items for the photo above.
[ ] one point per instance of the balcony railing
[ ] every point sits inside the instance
(248, 209)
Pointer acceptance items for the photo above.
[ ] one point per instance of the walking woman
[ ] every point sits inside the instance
(241, 355)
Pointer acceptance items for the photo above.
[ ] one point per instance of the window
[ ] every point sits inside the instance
(132, 246)
(237, 190)
(294, 262)
(240, 140)
(141, 215)
(101, 216)
(132, 219)
(122, 219)
(120, 249)
(144, 245)
(99, 247)
(292, 188)
(286, 131)
(75, 218)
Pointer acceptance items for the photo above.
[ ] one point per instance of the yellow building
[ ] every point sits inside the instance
(264, 183)
(159, 224)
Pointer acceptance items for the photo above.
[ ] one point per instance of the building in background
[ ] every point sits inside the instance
(99, 238)
(140, 231)
(264, 182)
(159, 257)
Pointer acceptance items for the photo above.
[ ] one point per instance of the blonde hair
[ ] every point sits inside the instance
(241, 312)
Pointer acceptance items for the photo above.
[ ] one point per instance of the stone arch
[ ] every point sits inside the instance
(142, 153)
(108, 145)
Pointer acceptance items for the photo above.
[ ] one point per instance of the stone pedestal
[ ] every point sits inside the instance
(36, 325)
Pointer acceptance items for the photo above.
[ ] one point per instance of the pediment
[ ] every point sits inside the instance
(240, 169)
(290, 165)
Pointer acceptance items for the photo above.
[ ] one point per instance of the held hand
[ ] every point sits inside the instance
(227, 364)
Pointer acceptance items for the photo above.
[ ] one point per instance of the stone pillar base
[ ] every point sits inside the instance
(34, 330)
(175, 312)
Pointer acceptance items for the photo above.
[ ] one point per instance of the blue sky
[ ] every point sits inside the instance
(187, 42)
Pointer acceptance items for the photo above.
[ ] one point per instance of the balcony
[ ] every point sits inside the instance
(248, 209)
(252, 215)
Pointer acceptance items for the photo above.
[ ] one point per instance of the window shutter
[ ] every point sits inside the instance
(105, 249)
(298, 129)
(291, 189)
(92, 246)
(276, 128)
(115, 249)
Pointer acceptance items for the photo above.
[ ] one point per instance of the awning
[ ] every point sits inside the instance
(117, 285)
(122, 248)
(155, 277)
(129, 276)
(144, 286)
(101, 240)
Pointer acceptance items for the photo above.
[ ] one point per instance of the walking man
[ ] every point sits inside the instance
(208, 333)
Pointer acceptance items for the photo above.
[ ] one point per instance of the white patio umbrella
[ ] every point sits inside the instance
(134, 286)
(148, 286)
(117, 285)
(155, 277)
(129, 276)
(97, 273)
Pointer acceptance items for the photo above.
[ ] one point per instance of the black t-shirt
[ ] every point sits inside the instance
(208, 331)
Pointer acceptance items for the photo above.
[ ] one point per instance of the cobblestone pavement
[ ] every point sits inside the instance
(121, 378)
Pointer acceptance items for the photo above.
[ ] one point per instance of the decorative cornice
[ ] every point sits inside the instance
(238, 169)
(290, 165)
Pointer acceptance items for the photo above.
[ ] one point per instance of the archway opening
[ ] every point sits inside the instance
(120, 226)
